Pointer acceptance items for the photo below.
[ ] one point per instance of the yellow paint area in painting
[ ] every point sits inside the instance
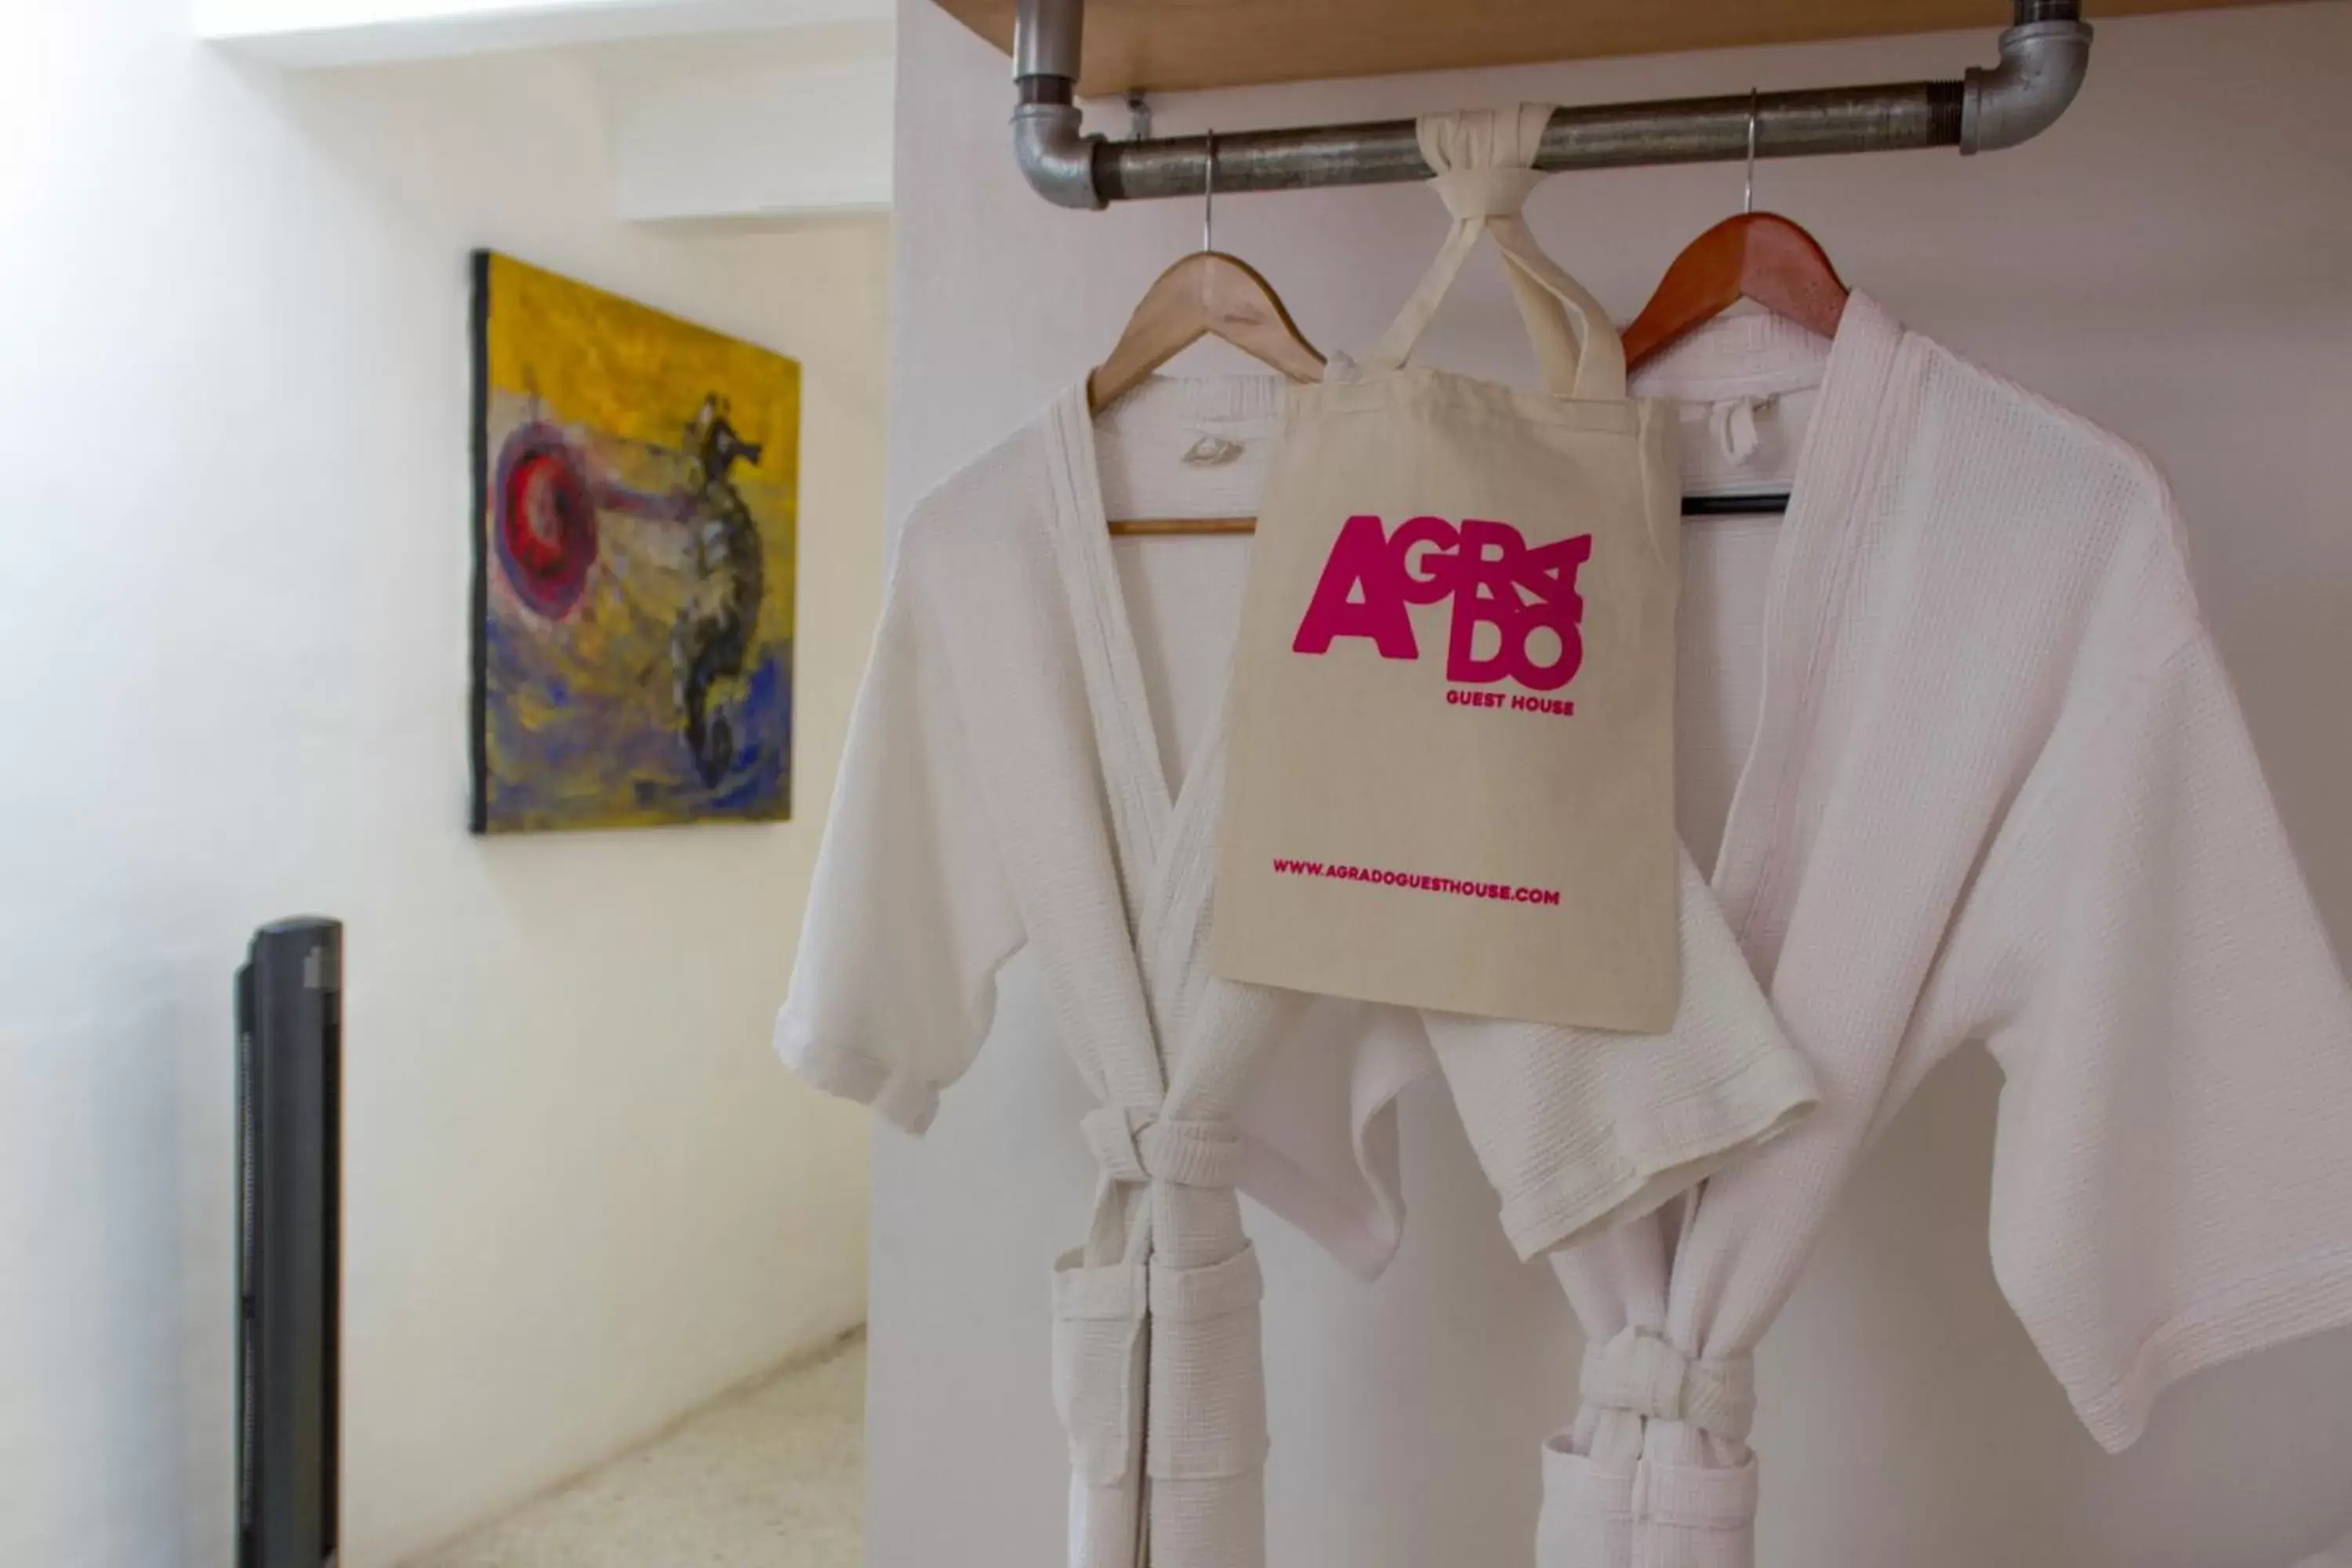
(594, 359)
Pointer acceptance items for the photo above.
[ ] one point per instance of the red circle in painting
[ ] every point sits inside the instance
(546, 525)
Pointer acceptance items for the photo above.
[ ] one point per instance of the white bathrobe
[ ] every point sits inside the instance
(1997, 789)
(1956, 745)
(1007, 786)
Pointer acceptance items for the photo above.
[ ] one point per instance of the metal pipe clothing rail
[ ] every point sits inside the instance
(2043, 58)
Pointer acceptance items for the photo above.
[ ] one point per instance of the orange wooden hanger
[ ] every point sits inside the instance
(1760, 257)
(1206, 294)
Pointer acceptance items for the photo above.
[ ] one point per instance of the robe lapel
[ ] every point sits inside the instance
(1158, 1370)
(1133, 777)
(1679, 1308)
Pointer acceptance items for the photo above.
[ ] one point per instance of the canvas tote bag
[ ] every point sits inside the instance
(1450, 782)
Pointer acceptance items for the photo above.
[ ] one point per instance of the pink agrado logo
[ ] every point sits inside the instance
(1487, 569)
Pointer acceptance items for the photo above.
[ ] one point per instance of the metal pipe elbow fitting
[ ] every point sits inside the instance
(1056, 156)
(2042, 64)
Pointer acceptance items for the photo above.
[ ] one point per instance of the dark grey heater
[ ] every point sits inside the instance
(289, 1029)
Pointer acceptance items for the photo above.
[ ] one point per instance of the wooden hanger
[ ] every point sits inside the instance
(1759, 256)
(1206, 294)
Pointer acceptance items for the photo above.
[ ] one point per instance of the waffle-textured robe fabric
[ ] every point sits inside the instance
(1999, 790)
(2336, 1556)
(1004, 788)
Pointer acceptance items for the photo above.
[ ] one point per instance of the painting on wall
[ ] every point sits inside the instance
(635, 491)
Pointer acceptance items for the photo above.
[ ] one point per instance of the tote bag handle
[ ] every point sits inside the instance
(1483, 159)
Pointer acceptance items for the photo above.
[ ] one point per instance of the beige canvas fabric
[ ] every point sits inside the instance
(1451, 774)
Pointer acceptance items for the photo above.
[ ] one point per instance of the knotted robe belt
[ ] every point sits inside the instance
(1637, 1372)
(1616, 1506)
(1158, 1369)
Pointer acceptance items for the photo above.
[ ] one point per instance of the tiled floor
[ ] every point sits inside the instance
(770, 1477)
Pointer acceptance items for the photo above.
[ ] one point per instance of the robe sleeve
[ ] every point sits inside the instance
(1583, 1129)
(2173, 1169)
(909, 916)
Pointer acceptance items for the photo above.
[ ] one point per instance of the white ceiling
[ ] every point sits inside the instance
(717, 111)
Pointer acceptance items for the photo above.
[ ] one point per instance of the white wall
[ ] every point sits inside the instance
(234, 552)
(2168, 261)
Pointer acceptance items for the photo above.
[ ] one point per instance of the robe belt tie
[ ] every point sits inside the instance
(1135, 1146)
(1639, 1373)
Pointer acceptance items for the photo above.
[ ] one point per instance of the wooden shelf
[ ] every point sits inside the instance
(1178, 45)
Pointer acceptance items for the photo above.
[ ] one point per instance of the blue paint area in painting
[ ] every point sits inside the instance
(553, 732)
(754, 783)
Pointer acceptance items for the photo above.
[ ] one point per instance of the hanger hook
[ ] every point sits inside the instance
(1748, 186)
(1208, 193)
